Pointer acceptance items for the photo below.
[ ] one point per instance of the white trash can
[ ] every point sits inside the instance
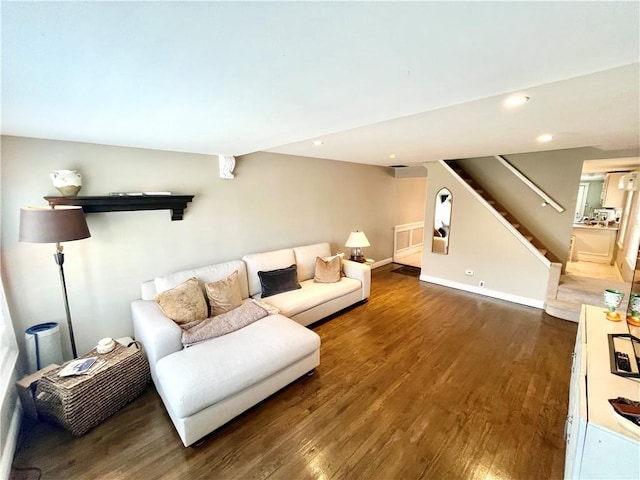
(43, 345)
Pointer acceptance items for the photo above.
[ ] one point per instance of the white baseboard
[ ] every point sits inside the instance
(530, 302)
(407, 252)
(382, 263)
(11, 442)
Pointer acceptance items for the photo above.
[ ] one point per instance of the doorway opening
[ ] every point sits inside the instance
(606, 211)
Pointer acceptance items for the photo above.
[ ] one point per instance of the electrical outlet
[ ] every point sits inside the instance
(468, 272)
(481, 283)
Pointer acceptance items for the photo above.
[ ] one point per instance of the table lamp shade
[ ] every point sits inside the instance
(52, 225)
(357, 239)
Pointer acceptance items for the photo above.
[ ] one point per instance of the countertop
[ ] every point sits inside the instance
(595, 227)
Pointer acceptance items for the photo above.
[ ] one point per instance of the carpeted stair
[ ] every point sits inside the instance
(573, 291)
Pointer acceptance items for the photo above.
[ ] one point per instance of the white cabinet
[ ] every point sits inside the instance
(598, 446)
(612, 196)
(594, 244)
(577, 417)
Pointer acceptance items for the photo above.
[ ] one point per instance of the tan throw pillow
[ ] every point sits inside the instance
(224, 295)
(328, 271)
(184, 303)
(341, 257)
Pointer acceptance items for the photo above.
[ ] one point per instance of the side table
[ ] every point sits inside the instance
(81, 402)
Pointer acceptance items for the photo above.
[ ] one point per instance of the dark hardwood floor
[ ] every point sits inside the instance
(421, 381)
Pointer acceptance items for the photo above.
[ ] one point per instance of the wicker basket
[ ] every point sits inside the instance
(81, 402)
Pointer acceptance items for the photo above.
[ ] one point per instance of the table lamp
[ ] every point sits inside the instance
(356, 242)
(55, 225)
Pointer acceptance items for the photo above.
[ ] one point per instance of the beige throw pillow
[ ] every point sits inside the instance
(328, 271)
(224, 295)
(341, 257)
(184, 303)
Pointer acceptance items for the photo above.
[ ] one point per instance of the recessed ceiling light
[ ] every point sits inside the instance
(545, 137)
(393, 155)
(318, 143)
(516, 100)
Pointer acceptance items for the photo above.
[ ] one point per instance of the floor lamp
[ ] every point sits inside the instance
(55, 225)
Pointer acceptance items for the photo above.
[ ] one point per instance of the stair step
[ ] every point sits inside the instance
(579, 296)
(563, 309)
(543, 251)
(529, 238)
(588, 291)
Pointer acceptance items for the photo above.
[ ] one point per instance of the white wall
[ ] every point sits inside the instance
(275, 201)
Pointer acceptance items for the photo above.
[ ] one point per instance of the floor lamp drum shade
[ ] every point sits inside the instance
(55, 225)
(52, 225)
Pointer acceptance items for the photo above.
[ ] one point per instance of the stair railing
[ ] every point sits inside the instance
(498, 216)
(547, 200)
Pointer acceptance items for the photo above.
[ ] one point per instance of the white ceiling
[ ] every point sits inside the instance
(422, 80)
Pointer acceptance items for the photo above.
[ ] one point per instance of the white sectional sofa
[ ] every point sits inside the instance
(206, 385)
(313, 301)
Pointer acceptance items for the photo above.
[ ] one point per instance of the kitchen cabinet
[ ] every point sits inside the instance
(599, 444)
(594, 243)
(612, 196)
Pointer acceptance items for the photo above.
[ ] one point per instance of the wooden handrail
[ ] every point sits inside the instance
(547, 199)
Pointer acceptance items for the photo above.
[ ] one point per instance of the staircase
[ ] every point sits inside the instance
(493, 203)
(565, 293)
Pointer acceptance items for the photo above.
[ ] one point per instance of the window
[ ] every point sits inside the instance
(8, 346)
(581, 202)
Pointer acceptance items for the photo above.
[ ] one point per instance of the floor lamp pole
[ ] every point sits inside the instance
(59, 258)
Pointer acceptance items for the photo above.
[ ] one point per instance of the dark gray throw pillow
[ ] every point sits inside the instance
(279, 281)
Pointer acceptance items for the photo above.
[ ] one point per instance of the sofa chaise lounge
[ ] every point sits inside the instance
(207, 384)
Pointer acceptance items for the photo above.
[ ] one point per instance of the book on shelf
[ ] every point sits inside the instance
(137, 194)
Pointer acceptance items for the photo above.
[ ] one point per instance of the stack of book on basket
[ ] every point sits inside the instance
(83, 366)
